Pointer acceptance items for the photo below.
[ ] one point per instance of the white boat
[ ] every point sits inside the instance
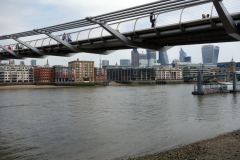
(225, 86)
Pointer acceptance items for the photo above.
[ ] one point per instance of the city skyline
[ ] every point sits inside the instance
(39, 17)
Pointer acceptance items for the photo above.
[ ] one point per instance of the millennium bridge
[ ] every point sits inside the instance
(176, 23)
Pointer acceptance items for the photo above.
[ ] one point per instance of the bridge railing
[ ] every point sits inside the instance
(178, 17)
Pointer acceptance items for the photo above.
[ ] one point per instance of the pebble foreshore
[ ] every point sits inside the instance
(222, 147)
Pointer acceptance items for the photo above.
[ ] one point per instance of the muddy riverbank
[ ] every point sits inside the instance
(223, 147)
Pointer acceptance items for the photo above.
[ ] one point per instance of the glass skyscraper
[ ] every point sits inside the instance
(105, 62)
(188, 59)
(33, 62)
(182, 55)
(124, 62)
(151, 57)
(135, 57)
(143, 62)
(163, 58)
(210, 54)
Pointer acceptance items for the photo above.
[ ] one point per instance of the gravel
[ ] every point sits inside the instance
(222, 147)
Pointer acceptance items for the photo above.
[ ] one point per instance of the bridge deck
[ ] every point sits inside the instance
(198, 31)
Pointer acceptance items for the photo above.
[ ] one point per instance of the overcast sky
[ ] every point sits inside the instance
(18, 16)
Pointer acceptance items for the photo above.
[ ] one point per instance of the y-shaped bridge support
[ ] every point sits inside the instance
(230, 26)
(69, 46)
(124, 39)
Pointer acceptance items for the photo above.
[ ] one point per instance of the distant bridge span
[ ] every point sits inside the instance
(111, 35)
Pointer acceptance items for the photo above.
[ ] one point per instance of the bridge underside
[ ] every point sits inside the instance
(195, 32)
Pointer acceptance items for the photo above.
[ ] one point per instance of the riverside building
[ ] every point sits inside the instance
(168, 73)
(84, 70)
(64, 74)
(12, 73)
(43, 74)
(130, 74)
(100, 74)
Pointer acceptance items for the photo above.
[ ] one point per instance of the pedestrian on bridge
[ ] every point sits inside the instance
(69, 38)
(9, 48)
(17, 47)
(203, 16)
(152, 19)
(64, 36)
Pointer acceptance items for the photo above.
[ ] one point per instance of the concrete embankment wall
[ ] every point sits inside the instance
(56, 84)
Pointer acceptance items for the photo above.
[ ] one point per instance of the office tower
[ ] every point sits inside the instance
(151, 57)
(210, 54)
(105, 62)
(143, 62)
(135, 57)
(188, 59)
(21, 63)
(124, 62)
(33, 62)
(11, 62)
(182, 55)
(163, 58)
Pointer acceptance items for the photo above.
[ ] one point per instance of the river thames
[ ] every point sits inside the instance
(114, 122)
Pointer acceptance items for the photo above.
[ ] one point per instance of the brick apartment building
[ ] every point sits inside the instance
(84, 70)
(43, 74)
(100, 74)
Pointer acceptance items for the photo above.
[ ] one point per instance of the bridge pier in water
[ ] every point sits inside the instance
(199, 90)
(234, 80)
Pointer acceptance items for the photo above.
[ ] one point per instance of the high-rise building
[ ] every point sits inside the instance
(163, 58)
(135, 57)
(143, 62)
(188, 59)
(21, 63)
(33, 62)
(151, 57)
(11, 62)
(105, 62)
(210, 54)
(84, 70)
(125, 62)
(182, 55)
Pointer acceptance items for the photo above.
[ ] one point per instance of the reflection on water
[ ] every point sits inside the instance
(109, 122)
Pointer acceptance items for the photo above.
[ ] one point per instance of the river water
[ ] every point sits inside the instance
(113, 122)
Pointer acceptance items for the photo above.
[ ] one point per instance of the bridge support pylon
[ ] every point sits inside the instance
(229, 24)
(199, 82)
(234, 78)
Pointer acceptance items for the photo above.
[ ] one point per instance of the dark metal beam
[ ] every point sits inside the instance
(125, 40)
(229, 24)
(71, 47)
(27, 45)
